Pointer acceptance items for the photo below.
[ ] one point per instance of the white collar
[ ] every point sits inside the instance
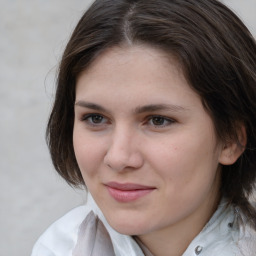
(220, 236)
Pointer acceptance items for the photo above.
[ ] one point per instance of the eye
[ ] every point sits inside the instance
(160, 121)
(94, 119)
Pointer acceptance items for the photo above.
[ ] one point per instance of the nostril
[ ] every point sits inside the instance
(123, 160)
(115, 162)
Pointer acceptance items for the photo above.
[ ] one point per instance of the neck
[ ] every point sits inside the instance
(174, 240)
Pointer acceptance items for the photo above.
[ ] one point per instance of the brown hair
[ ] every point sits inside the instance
(218, 56)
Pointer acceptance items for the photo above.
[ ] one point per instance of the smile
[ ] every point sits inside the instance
(127, 192)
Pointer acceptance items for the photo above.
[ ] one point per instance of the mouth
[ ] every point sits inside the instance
(128, 192)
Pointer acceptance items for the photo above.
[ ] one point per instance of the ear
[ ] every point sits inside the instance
(232, 150)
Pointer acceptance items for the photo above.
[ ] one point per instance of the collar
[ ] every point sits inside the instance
(220, 236)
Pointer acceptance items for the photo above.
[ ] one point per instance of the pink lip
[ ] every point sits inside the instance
(127, 192)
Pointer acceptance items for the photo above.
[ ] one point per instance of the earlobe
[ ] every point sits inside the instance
(233, 150)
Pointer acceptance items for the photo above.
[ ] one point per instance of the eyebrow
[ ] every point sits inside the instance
(158, 107)
(90, 105)
(138, 110)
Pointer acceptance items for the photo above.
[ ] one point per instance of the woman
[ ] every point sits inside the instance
(155, 114)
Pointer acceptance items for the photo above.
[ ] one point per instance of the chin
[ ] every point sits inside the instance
(130, 231)
(129, 227)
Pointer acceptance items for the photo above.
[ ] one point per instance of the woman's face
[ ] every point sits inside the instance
(144, 143)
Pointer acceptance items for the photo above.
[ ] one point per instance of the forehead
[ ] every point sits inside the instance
(124, 53)
(135, 76)
(133, 61)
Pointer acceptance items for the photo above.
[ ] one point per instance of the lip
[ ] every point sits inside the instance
(128, 192)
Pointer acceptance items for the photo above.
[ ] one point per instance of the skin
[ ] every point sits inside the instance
(172, 147)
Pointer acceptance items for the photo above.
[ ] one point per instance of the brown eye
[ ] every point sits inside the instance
(158, 120)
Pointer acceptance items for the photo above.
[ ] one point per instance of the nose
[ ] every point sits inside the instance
(123, 152)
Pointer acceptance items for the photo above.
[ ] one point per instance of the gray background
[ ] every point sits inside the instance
(32, 37)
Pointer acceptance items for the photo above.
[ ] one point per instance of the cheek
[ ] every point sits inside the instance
(188, 170)
(88, 153)
(183, 160)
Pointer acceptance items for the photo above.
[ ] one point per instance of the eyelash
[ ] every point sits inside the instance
(88, 119)
(167, 121)
(149, 120)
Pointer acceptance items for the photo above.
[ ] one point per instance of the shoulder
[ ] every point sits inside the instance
(224, 235)
(60, 238)
(247, 241)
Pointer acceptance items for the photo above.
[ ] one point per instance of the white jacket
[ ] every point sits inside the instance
(85, 232)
